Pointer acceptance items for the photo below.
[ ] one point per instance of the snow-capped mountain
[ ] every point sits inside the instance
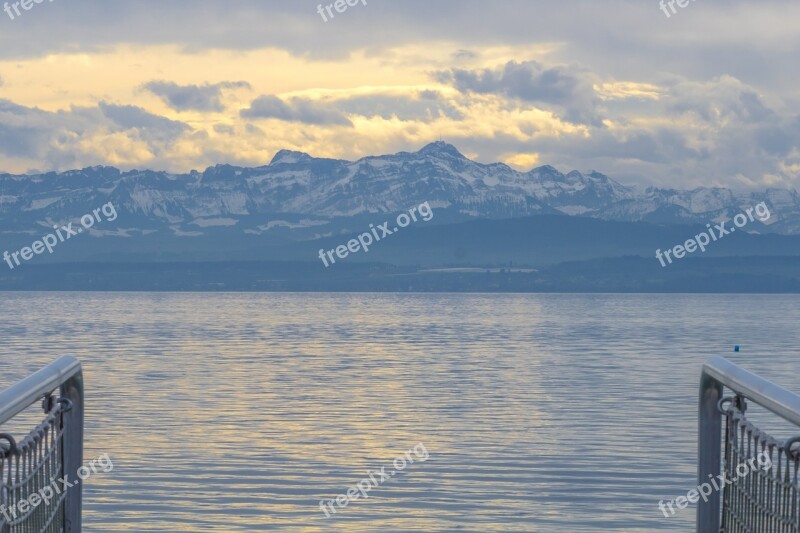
(299, 191)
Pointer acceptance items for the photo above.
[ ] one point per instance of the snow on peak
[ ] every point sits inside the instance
(289, 157)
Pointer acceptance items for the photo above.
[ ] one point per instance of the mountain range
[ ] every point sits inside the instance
(493, 229)
(300, 197)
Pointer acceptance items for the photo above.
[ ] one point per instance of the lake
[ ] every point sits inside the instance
(240, 412)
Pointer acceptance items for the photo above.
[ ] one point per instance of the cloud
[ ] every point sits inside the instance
(569, 90)
(224, 129)
(295, 109)
(206, 97)
(464, 55)
(624, 90)
(85, 136)
(716, 132)
(18, 141)
(614, 86)
(26, 133)
(425, 106)
(155, 127)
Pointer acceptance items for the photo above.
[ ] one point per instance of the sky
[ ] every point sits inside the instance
(708, 96)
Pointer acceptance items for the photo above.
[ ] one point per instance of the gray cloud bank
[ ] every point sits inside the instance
(206, 97)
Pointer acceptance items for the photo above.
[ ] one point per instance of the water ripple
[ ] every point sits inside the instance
(240, 412)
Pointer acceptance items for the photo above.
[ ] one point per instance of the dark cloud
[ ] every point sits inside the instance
(719, 100)
(57, 140)
(224, 129)
(254, 130)
(716, 132)
(741, 124)
(25, 132)
(427, 106)
(464, 55)
(7, 106)
(155, 127)
(19, 141)
(568, 89)
(777, 141)
(295, 110)
(206, 97)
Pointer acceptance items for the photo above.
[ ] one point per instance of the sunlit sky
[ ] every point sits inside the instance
(709, 96)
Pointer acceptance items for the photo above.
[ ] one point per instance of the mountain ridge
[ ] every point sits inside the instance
(296, 185)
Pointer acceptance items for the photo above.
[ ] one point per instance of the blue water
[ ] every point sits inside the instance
(239, 412)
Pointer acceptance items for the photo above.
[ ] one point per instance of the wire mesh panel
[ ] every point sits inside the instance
(37, 472)
(761, 493)
(32, 492)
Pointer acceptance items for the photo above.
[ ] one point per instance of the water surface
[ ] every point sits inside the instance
(239, 412)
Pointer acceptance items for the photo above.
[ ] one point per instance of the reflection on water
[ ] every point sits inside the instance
(239, 412)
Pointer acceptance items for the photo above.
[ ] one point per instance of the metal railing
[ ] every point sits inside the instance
(718, 373)
(54, 448)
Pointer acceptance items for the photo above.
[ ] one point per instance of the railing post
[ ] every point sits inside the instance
(709, 453)
(73, 390)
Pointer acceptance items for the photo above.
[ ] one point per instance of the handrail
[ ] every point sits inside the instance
(780, 401)
(65, 374)
(718, 372)
(25, 393)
